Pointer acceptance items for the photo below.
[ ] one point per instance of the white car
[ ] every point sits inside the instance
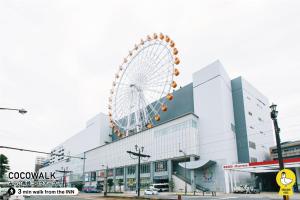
(155, 191)
(150, 192)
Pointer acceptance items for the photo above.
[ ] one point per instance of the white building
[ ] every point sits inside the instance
(252, 122)
(208, 120)
(95, 134)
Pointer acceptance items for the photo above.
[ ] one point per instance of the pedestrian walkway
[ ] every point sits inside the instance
(173, 196)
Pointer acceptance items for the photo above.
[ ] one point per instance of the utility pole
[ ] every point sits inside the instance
(274, 114)
(139, 155)
(65, 172)
(105, 179)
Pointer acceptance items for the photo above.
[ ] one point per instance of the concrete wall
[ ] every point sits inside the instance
(160, 143)
(95, 134)
(214, 107)
(253, 122)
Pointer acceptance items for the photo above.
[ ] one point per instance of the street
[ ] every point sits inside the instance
(265, 196)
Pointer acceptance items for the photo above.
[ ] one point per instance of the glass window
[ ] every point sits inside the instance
(120, 171)
(160, 166)
(131, 170)
(145, 168)
(252, 145)
(93, 176)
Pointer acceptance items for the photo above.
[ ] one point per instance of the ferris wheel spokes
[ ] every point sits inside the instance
(143, 84)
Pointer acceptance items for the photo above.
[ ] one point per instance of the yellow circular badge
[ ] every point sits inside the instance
(286, 179)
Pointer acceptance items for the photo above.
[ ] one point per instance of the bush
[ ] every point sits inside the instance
(79, 186)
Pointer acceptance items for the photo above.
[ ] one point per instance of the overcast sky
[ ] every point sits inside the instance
(58, 58)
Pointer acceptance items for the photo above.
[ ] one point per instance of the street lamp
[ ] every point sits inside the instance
(185, 186)
(274, 114)
(21, 111)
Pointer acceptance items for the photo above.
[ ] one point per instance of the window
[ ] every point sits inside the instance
(93, 176)
(252, 159)
(110, 172)
(131, 170)
(161, 166)
(250, 113)
(252, 145)
(145, 168)
(120, 171)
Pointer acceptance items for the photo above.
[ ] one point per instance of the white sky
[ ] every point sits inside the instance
(58, 58)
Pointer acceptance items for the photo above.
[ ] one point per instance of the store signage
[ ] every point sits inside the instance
(236, 166)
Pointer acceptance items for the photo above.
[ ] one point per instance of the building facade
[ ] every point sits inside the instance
(206, 126)
(289, 150)
(95, 134)
(252, 122)
(39, 162)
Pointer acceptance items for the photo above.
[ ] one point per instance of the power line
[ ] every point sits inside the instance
(41, 152)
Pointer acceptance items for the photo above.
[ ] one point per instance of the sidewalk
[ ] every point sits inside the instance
(173, 196)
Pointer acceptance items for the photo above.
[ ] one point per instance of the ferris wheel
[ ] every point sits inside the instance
(143, 84)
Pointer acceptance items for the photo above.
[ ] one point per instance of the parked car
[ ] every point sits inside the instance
(239, 189)
(150, 192)
(155, 191)
(161, 187)
(90, 189)
(253, 190)
(245, 189)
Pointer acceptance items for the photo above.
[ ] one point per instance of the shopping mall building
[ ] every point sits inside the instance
(214, 121)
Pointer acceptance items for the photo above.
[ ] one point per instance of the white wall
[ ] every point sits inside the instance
(161, 142)
(95, 134)
(213, 105)
(259, 132)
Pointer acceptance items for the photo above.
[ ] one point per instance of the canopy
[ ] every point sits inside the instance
(263, 167)
(197, 164)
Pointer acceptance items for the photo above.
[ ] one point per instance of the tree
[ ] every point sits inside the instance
(4, 167)
(110, 183)
(79, 185)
